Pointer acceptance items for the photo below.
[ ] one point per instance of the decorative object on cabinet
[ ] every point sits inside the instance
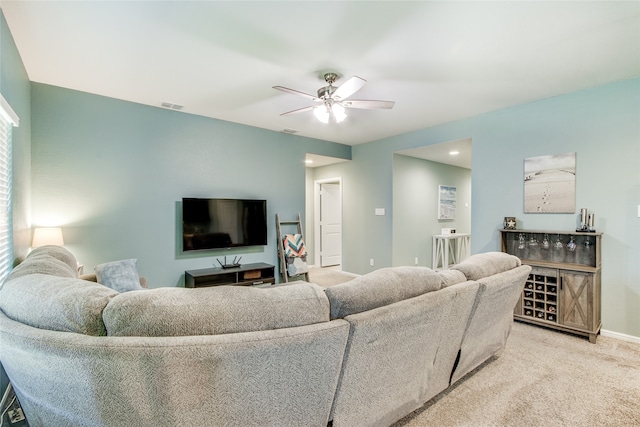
(563, 291)
(509, 223)
(586, 221)
(550, 184)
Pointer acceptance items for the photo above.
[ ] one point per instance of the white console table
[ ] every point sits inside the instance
(449, 249)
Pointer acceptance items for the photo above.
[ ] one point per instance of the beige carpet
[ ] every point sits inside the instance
(543, 378)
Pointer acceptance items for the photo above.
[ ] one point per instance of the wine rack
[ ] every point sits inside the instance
(540, 297)
(563, 290)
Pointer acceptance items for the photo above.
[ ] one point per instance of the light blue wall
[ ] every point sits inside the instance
(366, 185)
(112, 174)
(601, 125)
(415, 206)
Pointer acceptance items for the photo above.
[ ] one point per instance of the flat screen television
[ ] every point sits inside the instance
(223, 223)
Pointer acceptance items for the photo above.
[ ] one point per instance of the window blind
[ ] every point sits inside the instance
(8, 119)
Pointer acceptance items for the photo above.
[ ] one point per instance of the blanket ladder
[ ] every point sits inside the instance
(281, 249)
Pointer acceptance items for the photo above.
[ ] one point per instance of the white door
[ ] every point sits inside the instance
(330, 225)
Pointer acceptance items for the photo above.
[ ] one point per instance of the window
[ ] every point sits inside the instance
(8, 119)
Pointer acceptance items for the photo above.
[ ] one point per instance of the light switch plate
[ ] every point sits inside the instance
(380, 211)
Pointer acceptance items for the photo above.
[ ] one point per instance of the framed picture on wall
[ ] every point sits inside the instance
(446, 202)
(550, 184)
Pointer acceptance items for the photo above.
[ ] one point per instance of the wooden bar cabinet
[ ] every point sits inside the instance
(563, 291)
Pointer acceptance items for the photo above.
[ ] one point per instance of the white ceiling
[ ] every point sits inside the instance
(439, 61)
(456, 153)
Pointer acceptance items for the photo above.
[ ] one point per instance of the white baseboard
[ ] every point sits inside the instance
(618, 335)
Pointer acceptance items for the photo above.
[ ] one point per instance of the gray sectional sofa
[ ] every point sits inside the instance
(362, 353)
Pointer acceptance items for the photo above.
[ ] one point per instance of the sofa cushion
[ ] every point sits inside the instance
(490, 322)
(486, 264)
(214, 310)
(381, 287)
(56, 303)
(119, 275)
(451, 277)
(53, 260)
(57, 252)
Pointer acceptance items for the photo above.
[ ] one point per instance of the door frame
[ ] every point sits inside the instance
(316, 216)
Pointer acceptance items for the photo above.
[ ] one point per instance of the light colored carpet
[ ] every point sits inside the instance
(543, 378)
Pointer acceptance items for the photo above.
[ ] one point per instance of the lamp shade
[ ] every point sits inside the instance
(338, 112)
(47, 236)
(322, 113)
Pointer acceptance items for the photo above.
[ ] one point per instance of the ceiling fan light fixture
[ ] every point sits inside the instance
(338, 112)
(333, 100)
(322, 113)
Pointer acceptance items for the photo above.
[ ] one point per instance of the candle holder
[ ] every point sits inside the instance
(583, 220)
(586, 222)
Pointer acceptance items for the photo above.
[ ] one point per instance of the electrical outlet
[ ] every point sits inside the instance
(416, 261)
(371, 262)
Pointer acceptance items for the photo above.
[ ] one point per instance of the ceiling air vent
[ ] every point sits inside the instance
(172, 106)
(289, 131)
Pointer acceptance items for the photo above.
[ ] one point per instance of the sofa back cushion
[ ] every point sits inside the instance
(451, 277)
(56, 303)
(381, 287)
(214, 310)
(486, 264)
(490, 322)
(52, 260)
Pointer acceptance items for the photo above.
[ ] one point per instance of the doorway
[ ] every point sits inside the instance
(328, 222)
(417, 175)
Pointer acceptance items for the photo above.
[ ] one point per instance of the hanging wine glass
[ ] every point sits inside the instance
(532, 240)
(587, 242)
(558, 244)
(571, 246)
(521, 241)
(545, 241)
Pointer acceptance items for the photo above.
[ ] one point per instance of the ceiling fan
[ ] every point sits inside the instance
(332, 100)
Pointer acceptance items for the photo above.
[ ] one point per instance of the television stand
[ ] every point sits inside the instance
(257, 274)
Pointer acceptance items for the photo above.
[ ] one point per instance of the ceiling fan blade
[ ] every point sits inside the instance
(348, 88)
(368, 104)
(299, 110)
(297, 92)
